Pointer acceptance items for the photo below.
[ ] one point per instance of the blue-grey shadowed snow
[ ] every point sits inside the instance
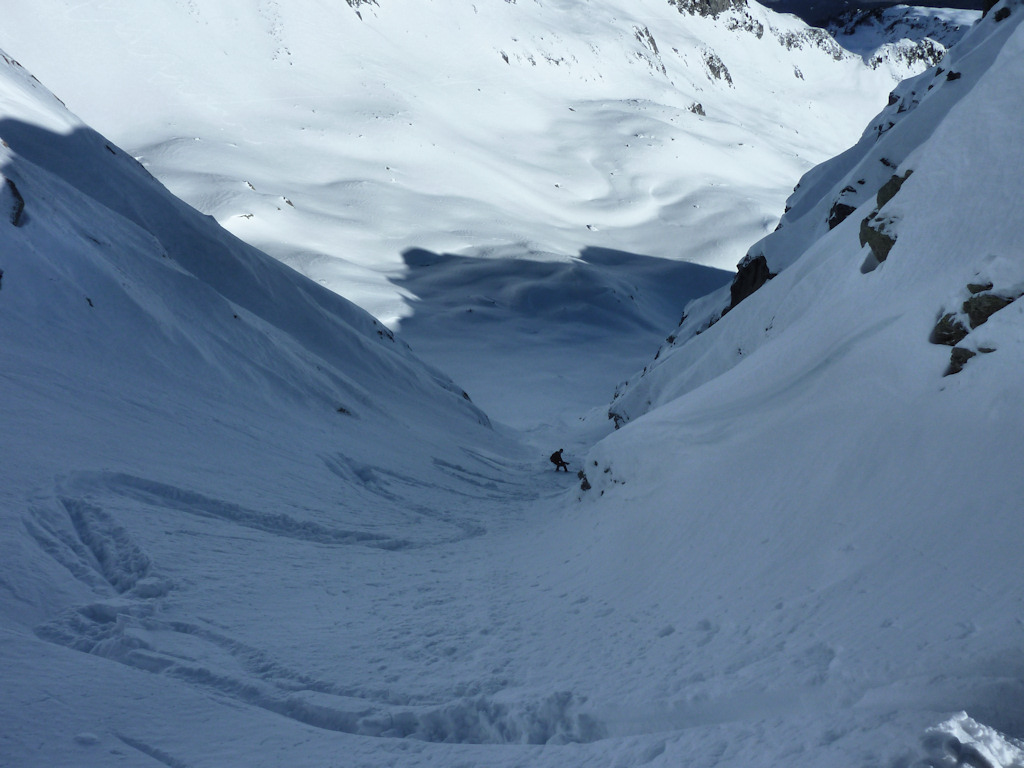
(489, 318)
(820, 12)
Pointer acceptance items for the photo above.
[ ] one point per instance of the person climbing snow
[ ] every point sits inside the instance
(558, 461)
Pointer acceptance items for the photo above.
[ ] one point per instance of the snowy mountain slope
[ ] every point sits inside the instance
(56, 144)
(824, 12)
(908, 34)
(338, 138)
(811, 559)
(837, 194)
(824, 526)
(186, 422)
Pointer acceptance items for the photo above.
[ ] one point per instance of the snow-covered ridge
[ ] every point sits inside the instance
(900, 34)
(829, 507)
(847, 186)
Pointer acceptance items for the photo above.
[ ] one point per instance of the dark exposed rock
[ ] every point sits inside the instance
(1002, 13)
(982, 306)
(811, 38)
(979, 287)
(890, 188)
(698, 109)
(875, 230)
(924, 51)
(949, 331)
(952, 75)
(644, 36)
(751, 274)
(838, 214)
(584, 483)
(355, 4)
(716, 67)
(874, 235)
(15, 205)
(744, 22)
(706, 7)
(957, 359)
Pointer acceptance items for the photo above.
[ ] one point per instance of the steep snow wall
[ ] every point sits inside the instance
(831, 514)
(830, 208)
(141, 338)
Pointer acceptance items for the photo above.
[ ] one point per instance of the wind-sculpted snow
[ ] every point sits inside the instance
(337, 137)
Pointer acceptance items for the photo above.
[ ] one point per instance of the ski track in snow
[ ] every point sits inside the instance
(133, 626)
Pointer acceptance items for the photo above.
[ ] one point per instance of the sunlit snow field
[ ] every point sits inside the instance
(242, 523)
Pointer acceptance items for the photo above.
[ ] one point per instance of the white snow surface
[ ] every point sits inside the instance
(243, 525)
(337, 138)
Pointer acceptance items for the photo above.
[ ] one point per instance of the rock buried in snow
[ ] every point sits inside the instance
(876, 234)
(958, 359)
(888, 190)
(584, 483)
(981, 307)
(949, 331)
(838, 213)
(13, 202)
(963, 741)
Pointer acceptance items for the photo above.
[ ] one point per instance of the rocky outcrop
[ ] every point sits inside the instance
(715, 66)
(890, 188)
(949, 331)
(707, 8)
(910, 39)
(811, 38)
(955, 327)
(980, 307)
(958, 359)
(876, 233)
(12, 202)
(838, 213)
(877, 230)
(751, 274)
(742, 21)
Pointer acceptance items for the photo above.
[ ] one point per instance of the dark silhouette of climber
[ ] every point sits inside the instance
(558, 461)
